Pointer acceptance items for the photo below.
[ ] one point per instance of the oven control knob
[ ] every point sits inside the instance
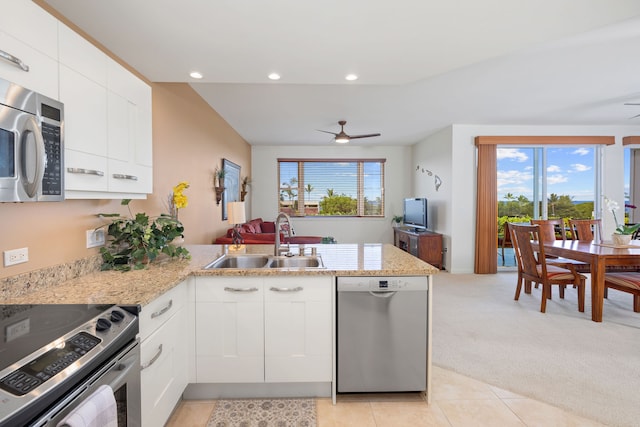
(117, 316)
(102, 324)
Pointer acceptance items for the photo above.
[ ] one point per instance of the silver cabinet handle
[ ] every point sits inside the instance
(14, 59)
(153, 359)
(163, 310)
(85, 171)
(122, 176)
(227, 289)
(296, 289)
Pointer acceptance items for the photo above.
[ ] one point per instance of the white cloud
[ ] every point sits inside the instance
(581, 151)
(553, 168)
(511, 153)
(556, 179)
(578, 167)
(511, 179)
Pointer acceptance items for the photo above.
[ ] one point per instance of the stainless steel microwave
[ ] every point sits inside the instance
(31, 145)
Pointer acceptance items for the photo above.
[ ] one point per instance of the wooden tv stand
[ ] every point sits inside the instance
(425, 245)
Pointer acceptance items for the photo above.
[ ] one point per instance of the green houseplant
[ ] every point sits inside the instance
(396, 220)
(135, 241)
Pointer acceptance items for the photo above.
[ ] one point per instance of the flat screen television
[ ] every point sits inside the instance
(415, 213)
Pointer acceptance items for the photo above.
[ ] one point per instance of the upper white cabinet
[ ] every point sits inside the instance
(30, 35)
(108, 135)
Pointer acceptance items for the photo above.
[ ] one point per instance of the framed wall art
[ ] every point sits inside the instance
(231, 191)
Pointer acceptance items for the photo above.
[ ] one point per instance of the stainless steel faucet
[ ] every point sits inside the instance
(277, 250)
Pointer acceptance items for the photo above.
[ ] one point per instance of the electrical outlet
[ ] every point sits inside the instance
(16, 256)
(95, 238)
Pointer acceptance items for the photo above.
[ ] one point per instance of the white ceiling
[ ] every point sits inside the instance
(423, 64)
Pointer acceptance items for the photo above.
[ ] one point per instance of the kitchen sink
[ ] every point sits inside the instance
(295, 262)
(239, 261)
(247, 261)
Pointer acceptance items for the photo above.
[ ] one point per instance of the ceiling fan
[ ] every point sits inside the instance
(343, 138)
(633, 103)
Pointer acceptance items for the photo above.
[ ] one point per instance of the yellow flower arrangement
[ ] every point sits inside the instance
(177, 199)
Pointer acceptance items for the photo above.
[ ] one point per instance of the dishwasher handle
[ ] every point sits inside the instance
(383, 294)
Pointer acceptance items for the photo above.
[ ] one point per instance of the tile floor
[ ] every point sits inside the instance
(457, 401)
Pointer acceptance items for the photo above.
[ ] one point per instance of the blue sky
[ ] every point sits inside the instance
(570, 171)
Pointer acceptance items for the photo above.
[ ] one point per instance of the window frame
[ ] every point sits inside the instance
(360, 180)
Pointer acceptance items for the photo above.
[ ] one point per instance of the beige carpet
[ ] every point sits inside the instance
(264, 413)
(561, 357)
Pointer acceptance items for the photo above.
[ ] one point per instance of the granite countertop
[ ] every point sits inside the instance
(143, 286)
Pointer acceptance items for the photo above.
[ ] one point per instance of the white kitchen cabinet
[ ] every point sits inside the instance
(257, 329)
(85, 108)
(108, 112)
(164, 354)
(298, 325)
(31, 24)
(229, 330)
(30, 34)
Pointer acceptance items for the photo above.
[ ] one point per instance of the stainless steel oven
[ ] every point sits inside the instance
(54, 358)
(31, 145)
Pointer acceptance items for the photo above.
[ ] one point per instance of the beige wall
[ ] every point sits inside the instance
(189, 140)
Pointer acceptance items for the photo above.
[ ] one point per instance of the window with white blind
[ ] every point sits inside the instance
(331, 187)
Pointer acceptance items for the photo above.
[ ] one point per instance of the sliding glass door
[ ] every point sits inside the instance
(546, 182)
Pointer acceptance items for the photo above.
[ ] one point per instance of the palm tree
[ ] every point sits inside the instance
(309, 189)
(330, 192)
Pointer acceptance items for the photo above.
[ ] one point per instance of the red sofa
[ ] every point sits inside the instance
(262, 232)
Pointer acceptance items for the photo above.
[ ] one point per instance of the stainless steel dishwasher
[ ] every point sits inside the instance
(382, 334)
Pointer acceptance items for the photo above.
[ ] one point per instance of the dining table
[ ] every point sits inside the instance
(599, 255)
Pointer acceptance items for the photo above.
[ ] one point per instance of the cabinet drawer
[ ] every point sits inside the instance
(125, 177)
(294, 288)
(229, 289)
(88, 168)
(158, 311)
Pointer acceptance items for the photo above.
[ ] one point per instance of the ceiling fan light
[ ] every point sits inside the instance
(342, 139)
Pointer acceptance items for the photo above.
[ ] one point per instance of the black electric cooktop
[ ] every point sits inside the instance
(26, 328)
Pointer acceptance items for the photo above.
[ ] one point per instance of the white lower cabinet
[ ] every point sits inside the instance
(263, 329)
(297, 329)
(164, 354)
(229, 330)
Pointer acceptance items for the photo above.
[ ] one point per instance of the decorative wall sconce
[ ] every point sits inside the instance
(218, 183)
(246, 182)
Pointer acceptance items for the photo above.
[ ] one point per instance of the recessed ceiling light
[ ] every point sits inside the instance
(274, 76)
(195, 75)
(351, 77)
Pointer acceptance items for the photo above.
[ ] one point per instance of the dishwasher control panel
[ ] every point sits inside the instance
(381, 284)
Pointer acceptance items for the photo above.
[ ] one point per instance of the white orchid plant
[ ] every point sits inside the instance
(613, 206)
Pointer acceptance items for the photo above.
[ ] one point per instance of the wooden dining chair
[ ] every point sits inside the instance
(553, 229)
(625, 282)
(585, 229)
(533, 268)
